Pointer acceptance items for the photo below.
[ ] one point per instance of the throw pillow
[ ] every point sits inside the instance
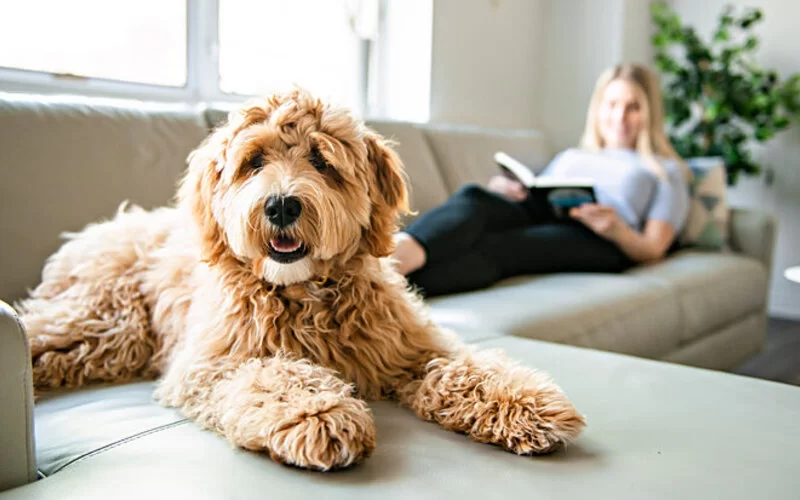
(707, 223)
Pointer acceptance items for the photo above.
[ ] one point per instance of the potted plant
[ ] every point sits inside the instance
(717, 99)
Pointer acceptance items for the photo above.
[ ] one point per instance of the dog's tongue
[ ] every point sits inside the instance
(285, 244)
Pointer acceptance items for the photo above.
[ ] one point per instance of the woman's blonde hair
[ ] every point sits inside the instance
(652, 141)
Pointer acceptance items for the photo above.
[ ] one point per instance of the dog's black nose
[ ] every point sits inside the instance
(282, 210)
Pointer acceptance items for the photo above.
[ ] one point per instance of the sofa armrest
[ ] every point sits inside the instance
(752, 233)
(17, 454)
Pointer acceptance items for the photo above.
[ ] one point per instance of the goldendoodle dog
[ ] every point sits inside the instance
(264, 302)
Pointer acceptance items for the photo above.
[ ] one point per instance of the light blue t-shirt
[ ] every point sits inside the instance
(624, 181)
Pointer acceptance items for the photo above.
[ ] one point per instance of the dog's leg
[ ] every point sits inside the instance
(88, 320)
(493, 400)
(299, 413)
(100, 335)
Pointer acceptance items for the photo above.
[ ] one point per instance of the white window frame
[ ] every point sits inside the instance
(202, 71)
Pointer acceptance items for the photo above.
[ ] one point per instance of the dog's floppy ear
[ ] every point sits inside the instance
(388, 193)
(196, 191)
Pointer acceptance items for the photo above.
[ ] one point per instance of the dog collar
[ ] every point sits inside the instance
(322, 280)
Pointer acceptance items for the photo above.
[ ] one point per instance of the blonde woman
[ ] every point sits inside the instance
(481, 236)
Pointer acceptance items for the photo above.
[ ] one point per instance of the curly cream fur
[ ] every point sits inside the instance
(278, 357)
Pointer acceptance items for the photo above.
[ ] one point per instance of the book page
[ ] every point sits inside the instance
(519, 170)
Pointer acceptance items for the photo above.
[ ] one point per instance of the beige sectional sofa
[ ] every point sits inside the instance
(700, 308)
(66, 161)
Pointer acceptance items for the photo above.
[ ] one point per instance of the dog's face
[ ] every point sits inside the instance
(293, 187)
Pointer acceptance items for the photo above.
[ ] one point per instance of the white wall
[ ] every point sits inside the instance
(484, 65)
(780, 39)
(529, 63)
(582, 39)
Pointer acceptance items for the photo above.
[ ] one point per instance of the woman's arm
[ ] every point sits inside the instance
(649, 245)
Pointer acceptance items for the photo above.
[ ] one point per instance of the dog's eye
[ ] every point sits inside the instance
(257, 161)
(317, 160)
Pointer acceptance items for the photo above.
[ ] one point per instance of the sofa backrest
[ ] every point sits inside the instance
(65, 162)
(465, 153)
(68, 161)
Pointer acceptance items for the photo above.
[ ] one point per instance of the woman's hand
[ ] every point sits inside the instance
(602, 219)
(511, 189)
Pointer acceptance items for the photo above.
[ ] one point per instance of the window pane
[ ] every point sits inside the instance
(140, 41)
(269, 45)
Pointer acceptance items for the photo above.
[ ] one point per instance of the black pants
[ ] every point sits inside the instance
(477, 238)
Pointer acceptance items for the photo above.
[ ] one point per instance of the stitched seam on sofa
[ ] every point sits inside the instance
(120, 442)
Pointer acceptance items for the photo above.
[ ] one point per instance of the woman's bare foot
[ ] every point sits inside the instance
(409, 255)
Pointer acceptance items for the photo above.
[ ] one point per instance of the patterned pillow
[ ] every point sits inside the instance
(707, 224)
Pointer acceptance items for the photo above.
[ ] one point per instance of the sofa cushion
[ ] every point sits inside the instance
(619, 313)
(713, 290)
(655, 430)
(426, 186)
(708, 221)
(465, 154)
(114, 414)
(68, 161)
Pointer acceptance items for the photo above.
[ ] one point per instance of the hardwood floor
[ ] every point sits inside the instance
(780, 359)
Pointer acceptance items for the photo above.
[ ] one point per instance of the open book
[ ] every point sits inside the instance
(554, 195)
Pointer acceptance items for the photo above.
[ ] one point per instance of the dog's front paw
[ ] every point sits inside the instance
(495, 401)
(527, 421)
(323, 432)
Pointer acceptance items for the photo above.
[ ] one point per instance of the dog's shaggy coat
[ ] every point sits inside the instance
(272, 325)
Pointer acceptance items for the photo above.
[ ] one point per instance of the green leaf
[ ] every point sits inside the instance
(658, 9)
(751, 43)
(763, 133)
(760, 101)
(733, 176)
(721, 35)
(750, 18)
(711, 110)
(750, 168)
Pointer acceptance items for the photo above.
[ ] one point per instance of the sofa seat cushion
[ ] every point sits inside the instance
(614, 312)
(75, 425)
(655, 430)
(713, 289)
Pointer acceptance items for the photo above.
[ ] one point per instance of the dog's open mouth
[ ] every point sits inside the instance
(285, 249)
